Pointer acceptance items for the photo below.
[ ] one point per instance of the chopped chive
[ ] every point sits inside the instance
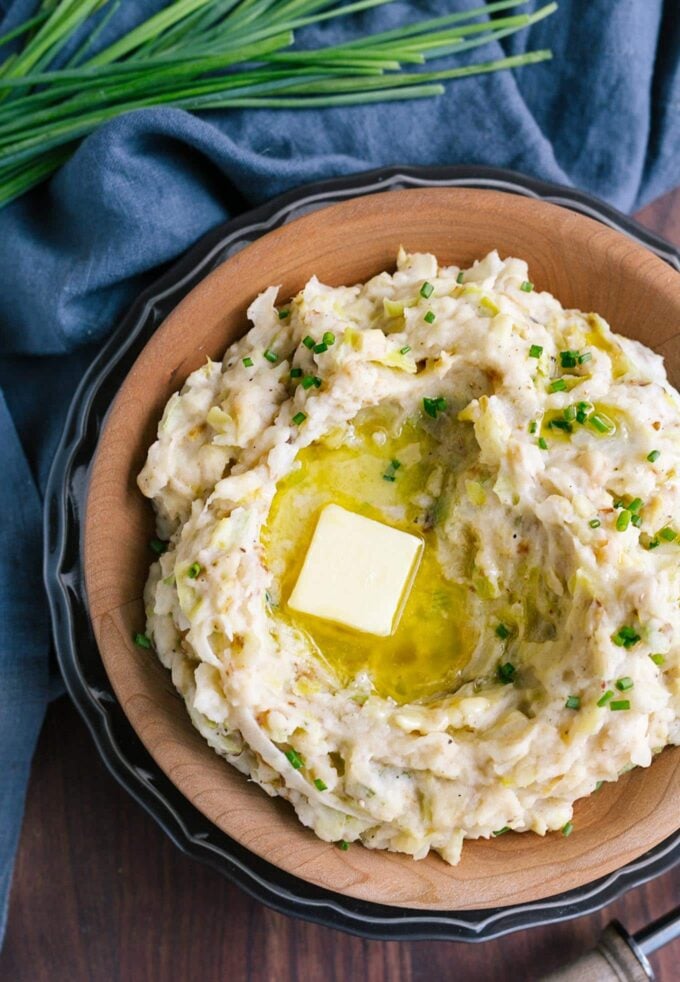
(653, 455)
(320, 785)
(605, 697)
(194, 570)
(653, 543)
(541, 443)
(623, 520)
(426, 290)
(283, 314)
(328, 338)
(568, 359)
(158, 546)
(299, 418)
(581, 416)
(459, 278)
(434, 406)
(388, 476)
(658, 659)
(405, 350)
(248, 362)
(598, 785)
(308, 381)
(320, 348)
(567, 828)
(557, 385)
(309, 342)
(295, 759)
(502, 632)
(343, 844)
(527, 286)
(626, 637)
(430, 317)
(396, 464)
(533, 426)
(506, 828)
(506, 673)
(619, 704)
(583, 406)
(296, 373)
(635, 505)
(317, 382)
(561, 424)
(600, 423)
(271, 355)
(573, 702)
(624, 683)
(637, 521)
(143, 640)
(569, 413)
(584, 357)
(594, 523)
(668, 534)
(535, 351)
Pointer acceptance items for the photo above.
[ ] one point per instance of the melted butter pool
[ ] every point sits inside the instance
(433, 640)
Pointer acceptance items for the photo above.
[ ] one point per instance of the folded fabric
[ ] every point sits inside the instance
(604, 115)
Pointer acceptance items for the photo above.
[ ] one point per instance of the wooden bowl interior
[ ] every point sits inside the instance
(586, 265)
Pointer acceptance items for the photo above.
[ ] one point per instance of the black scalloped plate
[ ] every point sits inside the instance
(79, 659)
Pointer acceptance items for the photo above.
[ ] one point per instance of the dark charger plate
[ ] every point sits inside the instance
(79, 659)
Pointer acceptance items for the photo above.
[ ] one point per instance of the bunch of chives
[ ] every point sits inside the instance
(216, 54)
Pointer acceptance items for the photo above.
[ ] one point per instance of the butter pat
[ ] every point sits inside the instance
(357, 572)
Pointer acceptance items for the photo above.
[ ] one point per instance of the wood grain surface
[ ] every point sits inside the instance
(584, 263)
(100, 893)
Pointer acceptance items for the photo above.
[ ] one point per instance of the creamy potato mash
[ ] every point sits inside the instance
(533, 453)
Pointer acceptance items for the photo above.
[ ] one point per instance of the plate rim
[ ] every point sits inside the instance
(77, 653)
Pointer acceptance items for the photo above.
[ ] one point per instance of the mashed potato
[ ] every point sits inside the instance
(535, 453)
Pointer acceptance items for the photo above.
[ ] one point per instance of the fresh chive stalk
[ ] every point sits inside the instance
(178, 55)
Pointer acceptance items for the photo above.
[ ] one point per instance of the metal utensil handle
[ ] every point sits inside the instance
(614, 960)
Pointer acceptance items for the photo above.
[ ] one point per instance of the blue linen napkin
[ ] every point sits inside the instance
(604, 115)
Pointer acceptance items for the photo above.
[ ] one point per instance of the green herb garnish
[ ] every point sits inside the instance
(194, 570)
(624, 683)
(623, 520)
(533, 426)
(296, 373)
(557, 385)
(405, 350)
(343, 844)
(328, 338)
(506, 828)
(283, 314)
(653, 455)
(527, 286)
(567, 828)
(299, 418)
(506, 673)
(605, 697)
(573, 702)
(309, 342)
(158, 546)
(619, 704)
(320, 348)
(248, 362)
(599, 423)
(658, 659)
(271, 356)
(430, 317)
(434, 406)
(143, 640)
(295, 759)
(502, 632)
(426, 290)
(594, 523)
(459, 278)
(667, 534)
(568, 359)
(320, 785)
(626, 637)
(542, 443)
(535, 351)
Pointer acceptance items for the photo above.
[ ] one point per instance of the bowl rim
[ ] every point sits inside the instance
(77, 652)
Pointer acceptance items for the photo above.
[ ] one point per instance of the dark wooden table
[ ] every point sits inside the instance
(100, 894)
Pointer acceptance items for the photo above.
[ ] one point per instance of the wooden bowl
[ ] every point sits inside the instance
(586, 265)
